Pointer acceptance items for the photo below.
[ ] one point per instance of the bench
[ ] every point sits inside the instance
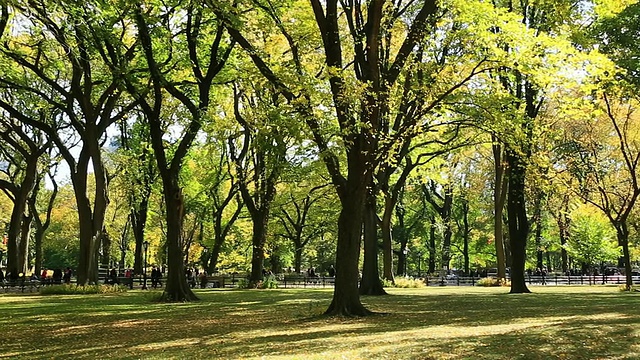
(212, 282)
(21, 283)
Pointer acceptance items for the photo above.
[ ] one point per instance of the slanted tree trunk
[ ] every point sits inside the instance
(537, 221)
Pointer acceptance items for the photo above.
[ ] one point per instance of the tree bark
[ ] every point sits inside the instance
(518, 222)
(387, 238)
(346, 297)
(499, 198)
(466, 231)
(432, 246)
(138, 224)
(177, 288)
(260, 221)
(371, 284)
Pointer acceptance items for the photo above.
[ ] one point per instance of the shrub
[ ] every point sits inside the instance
(243, 283)
(67, 289)
(489, 281)
(386, 283)
(408, 282)
(624, 287)
(268, 282)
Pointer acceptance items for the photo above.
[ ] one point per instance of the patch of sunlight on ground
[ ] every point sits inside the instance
(167, 344)
(333, 328)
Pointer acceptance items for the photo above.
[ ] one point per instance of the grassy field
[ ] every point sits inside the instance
(432, 323)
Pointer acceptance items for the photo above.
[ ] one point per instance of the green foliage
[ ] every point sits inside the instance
(243, 283)
(268, 282)
(592, 239)
(81, 290)
(618, 36)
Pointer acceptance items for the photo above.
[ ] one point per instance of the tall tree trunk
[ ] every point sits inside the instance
(538, 222)
(518, 222)
(297, 260)
(499, 198)
(446, 246)
(346, 297)
(88, 235)
(622, 233)
(564, 223)
(371, 284)
(23, 246)
(432, 245)
(387, 238)
(466, 231)
(215, 254)
(260, 221)
(177, 288)
(39, 226)
(105, 245)
(138, 224)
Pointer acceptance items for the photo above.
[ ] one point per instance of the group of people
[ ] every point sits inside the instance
(57, 277)
(156, 277)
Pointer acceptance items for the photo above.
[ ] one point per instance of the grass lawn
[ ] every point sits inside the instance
(432, 323)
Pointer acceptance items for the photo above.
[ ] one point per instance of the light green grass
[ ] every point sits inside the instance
(427, 323)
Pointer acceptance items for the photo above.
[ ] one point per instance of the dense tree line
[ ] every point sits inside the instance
(383, 137)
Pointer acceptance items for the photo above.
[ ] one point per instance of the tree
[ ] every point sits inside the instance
(137, 173)
(22, 153)
(39, 225)
(218, 192)
(297, 222)
(592, 241)
(364, 63)
(192, 73)
(259, 161)
(57, 53)
(611, 180)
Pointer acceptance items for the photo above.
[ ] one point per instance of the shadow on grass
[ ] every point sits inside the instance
(572, 323)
